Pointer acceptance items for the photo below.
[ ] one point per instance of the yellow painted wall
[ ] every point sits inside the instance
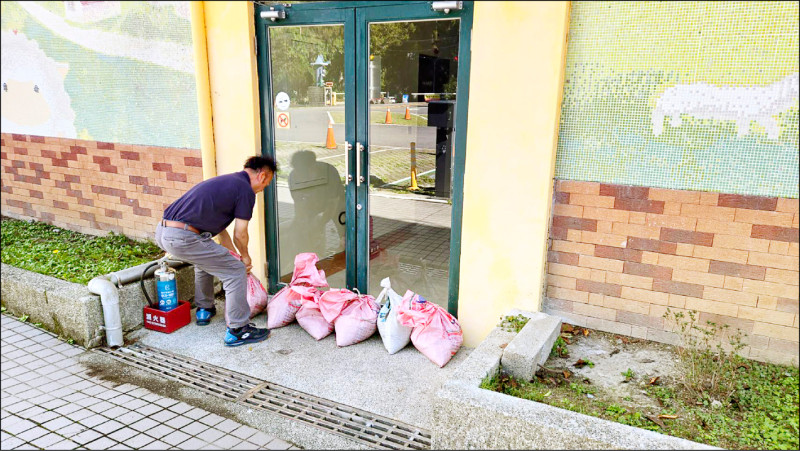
(516, 79)
(233, 78)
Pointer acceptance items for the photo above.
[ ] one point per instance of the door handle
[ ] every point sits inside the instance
(359, 150)
(347, 148)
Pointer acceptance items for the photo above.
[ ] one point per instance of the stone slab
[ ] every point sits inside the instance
(531, 347)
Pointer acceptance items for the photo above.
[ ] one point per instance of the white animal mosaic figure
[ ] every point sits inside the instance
(34, 101)
(728, 103)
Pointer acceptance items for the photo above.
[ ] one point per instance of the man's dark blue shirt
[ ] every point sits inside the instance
(213, 204)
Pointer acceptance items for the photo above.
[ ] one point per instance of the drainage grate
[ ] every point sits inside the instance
(355, 424)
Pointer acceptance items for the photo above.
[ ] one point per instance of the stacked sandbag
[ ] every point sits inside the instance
(353, 315)
(435, 332)
(283, 307)
(309, 316)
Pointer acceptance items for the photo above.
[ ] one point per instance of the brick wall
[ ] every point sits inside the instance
(619, 256)
(93, 187)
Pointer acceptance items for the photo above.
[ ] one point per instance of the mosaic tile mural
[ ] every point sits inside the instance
(108, 71)
(682, 95)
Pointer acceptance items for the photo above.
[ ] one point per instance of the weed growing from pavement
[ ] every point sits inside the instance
(513, 323)
(760, 412)
(67, 255)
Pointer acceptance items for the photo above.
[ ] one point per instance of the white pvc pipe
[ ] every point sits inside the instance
(109, 297)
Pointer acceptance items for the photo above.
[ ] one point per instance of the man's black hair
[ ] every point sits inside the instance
(258, 163)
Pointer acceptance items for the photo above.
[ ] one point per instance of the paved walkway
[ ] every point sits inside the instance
(50, 402)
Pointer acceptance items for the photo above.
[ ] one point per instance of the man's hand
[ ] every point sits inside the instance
(248, 265)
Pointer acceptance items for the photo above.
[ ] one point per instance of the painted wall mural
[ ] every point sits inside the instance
(106, 71)
(682, 95)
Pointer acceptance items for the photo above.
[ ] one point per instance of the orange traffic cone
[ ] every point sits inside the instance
(330, 143)
(408, 115)
(388, 116)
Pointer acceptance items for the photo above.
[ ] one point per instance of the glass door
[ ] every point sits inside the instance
(364, 109)
(409, 62)
(308, 98)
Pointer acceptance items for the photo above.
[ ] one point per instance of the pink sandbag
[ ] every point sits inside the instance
(306, 272)
(309, 316)
(283, 307)
(256, 294)
(436, 333)
(332, 302)
(357, 322)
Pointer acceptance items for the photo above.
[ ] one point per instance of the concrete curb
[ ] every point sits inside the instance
(531, 347)
(466, 416)
(69, 310)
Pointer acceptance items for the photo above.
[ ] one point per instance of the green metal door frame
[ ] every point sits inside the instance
(356, 16)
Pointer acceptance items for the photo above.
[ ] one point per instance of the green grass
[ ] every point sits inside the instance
(68, 255)
(761, 413)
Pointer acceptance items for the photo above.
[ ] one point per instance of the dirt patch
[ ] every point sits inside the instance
(641, 383)
(612, 356)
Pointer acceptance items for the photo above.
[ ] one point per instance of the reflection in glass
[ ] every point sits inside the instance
(308, 68)
(413, 78)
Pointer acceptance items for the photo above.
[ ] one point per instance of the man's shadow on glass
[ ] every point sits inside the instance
(319, 198)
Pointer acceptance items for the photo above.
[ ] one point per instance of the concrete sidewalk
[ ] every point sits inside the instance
(365, 376)
(50, 400)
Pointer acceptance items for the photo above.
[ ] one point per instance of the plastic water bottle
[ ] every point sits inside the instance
(166, 287)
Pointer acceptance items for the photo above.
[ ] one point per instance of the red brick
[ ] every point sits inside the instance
(608, 289)
(788, 305)
(194, 161)
(176, 177)
(558, 233)
(7, 189)
(101, 160)
(18, 164)
(748, 202)
(37, 139)
(684, 289)
(618, 253)
(137, 180)
(69, 156)
(17, 137)
(737, 270)
(49, 154)
(776, 233)
(61, 205)
(48, 217)
(109, 191)
(564, 258)
(163, 167)
(644, 244)
(113, 214)
(108, 168)
(646, 206)
(105, 145)
(20, 151)
(78, 149)
(60, 162)
(568, 222)
(645, 270)
(36, 194)
(72, 178)
(87, 216)
(562, 198)
(628, 192)
(129, 155)
(86, 202)
(686, 236)
(155, 190)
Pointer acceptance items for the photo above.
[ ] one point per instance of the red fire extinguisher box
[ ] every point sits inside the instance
(167, 322)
